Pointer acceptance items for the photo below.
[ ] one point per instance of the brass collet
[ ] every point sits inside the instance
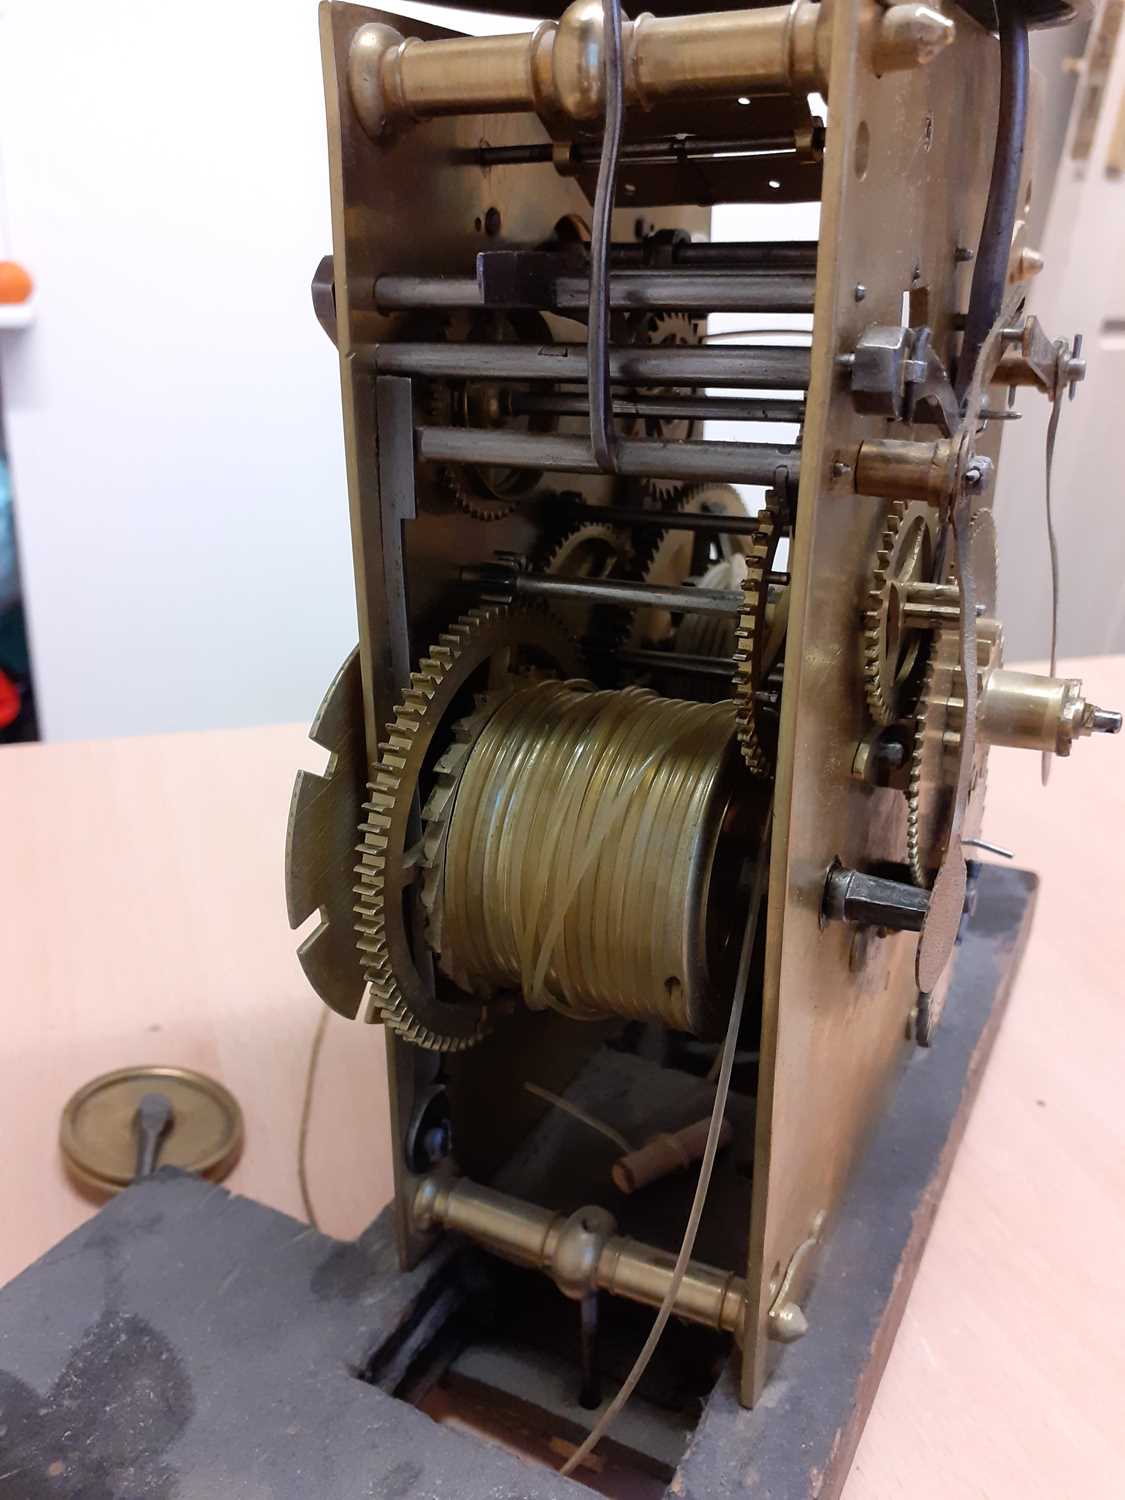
(903, 469)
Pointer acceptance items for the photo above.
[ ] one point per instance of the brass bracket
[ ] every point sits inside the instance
(1031, 358)
(786, 1320)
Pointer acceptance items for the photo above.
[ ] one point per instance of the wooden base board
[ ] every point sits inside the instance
(186, 1341)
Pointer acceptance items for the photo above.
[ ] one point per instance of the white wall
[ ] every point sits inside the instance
(173, 416)
(1081, 289)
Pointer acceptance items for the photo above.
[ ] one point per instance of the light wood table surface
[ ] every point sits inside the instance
(143, 920)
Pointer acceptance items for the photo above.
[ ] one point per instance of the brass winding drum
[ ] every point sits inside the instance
(594, 855)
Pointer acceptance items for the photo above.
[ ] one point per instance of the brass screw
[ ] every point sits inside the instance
(1028, 264)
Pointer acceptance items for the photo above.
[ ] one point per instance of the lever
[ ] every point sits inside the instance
(152, 1120)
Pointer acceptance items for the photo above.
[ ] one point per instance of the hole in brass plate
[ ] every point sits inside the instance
(862, 150)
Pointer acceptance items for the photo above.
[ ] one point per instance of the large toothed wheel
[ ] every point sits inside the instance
(939, 719)
(600, 551)
(755, 634)
(894, 649)
(481, 652)
(651, 330)
(486, 491)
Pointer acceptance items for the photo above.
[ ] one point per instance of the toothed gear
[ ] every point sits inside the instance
(715, 499)
(753, 643)
(671, 553)
(939, 930)
(318, 842)
(707, 635)
(982, 544)
(713, 635)
(661, 494)
(667, 561)
(672, 557)
(931, 784)
(894, 653)
(489, 491)
(447, 772)
(982, 531)
(592, 549)
(397, 993)
(931, 779)
(650, 330)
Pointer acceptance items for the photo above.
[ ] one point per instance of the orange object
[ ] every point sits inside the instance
(666, 1154)
(15, 284)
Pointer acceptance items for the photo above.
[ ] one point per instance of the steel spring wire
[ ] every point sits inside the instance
(580, 850)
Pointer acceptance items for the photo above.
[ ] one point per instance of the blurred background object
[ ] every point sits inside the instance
(1080, 289)
(15, 284)
(17, 703)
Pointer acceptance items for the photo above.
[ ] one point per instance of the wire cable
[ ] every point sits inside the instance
(718, 1114)
(1052, 552)
(602, 439)
(583, 1115)
(995, 246)
(306, 1113)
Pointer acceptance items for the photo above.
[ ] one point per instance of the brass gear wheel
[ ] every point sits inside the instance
(713, 635)
(594, 550)
(447, 773)
(651, 330)
(716, 499)
(757, 638)
(486, 491)
(319, 840)
(669, 555)
(931, 784)
(894, 652)
(590, 549)
(667, 560)
(484, 639)
(660, 330)
(982, 532)
(982, 544)
(933, 762)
